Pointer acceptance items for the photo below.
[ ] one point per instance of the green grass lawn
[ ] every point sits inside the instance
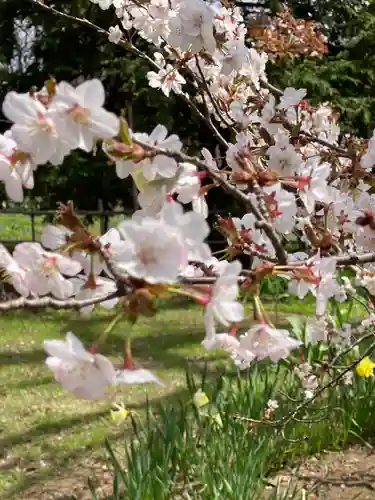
(18, 227)
(43, 427)
(44, 430)
(47, 435)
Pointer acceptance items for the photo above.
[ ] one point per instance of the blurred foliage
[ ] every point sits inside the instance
(35, 44)
(53, 46)
(345, 76)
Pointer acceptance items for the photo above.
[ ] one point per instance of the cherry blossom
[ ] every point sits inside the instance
(167, 79)
(213, 340)
(44, 270)
(159, 165)
(94, 286)
(151, 22)
(296, 177)
(316, 330)
(291, 97)
(191, 28)
(188, 187)
(34, 130)
(103, 4)
(13, 272)
(318, 278)
(264, 341)
(283, 157)
(281, 207)
(85, 375)
(151, 250)
(54, 236)
(233, 55)
(136, 376)
(222, 302)
(79, 116)
(313, 183)
(115, 34)
(193, 229)
(16, 168)
(368, 159)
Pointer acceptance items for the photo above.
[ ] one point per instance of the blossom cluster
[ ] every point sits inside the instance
(298, 179)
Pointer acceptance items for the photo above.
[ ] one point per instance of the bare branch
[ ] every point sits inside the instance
(351, 260)
(210, 96)
(83, 21)
(22, 303)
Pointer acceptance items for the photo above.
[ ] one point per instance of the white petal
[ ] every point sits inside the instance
(54, 236)
(68, 266)
(76, 347)
(106, 368)
(124, 168)
(13, 187)
(58, 349)
(21, 108)
(139, 376)
(159, 133)
(103, 124)
(92, 93)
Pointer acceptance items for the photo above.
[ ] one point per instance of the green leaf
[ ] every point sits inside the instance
(124, 132)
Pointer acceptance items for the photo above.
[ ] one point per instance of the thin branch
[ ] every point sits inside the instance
(351, 347)
(308, 135)
(79, 20)
(22, 303)
(331, 383)
(207, 271)
(134, 50)
(237, 194)
(210, 96)
(351, 260)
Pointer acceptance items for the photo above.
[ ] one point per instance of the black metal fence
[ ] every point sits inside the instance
(100, 214)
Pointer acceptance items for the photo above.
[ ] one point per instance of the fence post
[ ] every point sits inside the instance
(103, 217)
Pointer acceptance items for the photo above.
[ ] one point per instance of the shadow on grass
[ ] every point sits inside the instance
(25, 357)
(153, 350)
(159, 350)
(48, 428)
(32, 382)
(59, 465)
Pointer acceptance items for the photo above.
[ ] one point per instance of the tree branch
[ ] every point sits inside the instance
(308, 135)
(238, 195)
(22, 303)
(351, 260)
(134, 50)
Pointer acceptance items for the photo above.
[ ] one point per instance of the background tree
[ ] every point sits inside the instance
(345, 75)
(35, 45)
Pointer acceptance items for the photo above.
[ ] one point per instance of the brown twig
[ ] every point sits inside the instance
(134, 50)
(237, 194)
(308, 135)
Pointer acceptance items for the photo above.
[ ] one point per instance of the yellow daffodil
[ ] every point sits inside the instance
(119, 414)
(200, 399)
(365, 368)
